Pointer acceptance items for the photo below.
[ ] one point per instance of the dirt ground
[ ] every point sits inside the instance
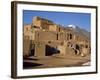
(56, 61)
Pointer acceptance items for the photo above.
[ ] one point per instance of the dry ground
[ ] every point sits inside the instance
(55, 61)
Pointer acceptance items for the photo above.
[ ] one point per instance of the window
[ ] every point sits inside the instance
(70, 36)
(86, 46)
(57, 36)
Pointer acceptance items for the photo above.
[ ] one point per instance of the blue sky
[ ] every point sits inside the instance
(63, 18)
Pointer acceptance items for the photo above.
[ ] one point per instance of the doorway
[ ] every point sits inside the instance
(50, 50)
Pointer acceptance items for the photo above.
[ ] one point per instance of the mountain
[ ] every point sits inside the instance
(83, 32)
(71, 26)
(79, 31)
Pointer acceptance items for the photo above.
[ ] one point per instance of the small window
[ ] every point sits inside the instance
(49, 42)
(57, 36)
(70, 36)
(86, 46)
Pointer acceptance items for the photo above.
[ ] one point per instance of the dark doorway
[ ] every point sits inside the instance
(32, 52)
(51, 50)
(77, 47)
(32, 49)
(70, 36)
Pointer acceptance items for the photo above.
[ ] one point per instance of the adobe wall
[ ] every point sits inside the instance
(27, 27)
(53, 28)
(37, 23)
(30, 35)
(40, 49)
(41, 23)
(52, 36)
(45, 35)
(26, 47)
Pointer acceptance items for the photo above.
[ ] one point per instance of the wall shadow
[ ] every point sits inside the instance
(51, 50)
(27, 65)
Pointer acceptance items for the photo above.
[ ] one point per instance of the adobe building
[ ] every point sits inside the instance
(45, 38)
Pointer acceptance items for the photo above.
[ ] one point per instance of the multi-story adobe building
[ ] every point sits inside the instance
(46, 38)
